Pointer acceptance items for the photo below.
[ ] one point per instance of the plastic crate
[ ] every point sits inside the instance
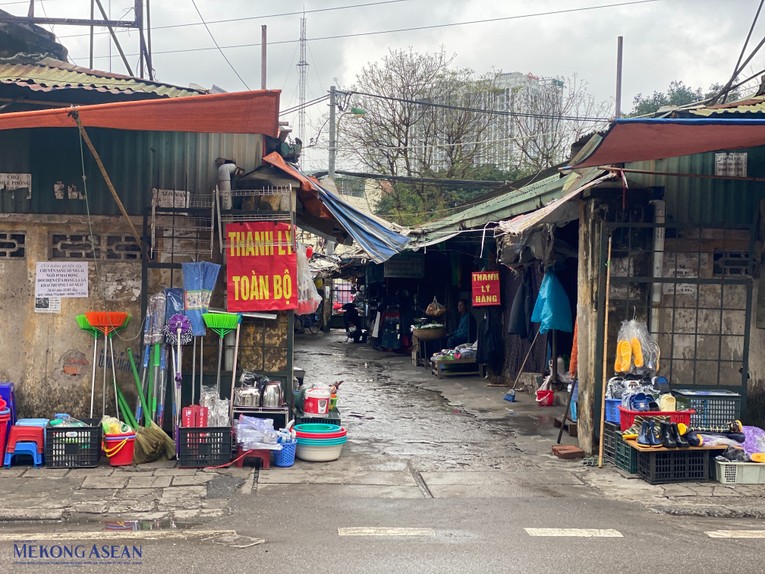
(713, 408)
(73, 447)
(739, 472)
(628, 417)
(626, 456)
(332, 418)
(674, 466)
(612, 410)
(610, 431)
(199, 447)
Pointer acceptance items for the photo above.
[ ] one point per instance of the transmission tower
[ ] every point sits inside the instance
(302, 66)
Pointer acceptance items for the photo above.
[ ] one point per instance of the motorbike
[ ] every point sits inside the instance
(354, 329)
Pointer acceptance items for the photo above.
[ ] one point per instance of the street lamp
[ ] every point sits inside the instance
(334, 125)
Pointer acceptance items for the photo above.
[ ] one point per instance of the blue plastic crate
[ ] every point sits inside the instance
(612, 410)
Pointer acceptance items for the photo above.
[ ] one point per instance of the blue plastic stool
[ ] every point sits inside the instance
(24, 447)
(32, 422)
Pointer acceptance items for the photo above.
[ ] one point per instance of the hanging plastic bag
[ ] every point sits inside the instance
(636, 351)
(308, 296)
(435, 309)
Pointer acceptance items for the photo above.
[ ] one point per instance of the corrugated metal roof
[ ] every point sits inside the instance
(49, 75)
(515, 202)
(754, 105)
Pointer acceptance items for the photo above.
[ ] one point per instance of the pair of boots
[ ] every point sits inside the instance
(667, 435)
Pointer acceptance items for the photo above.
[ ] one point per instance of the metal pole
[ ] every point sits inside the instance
(263, 56)
(92, 17)
(619, 44)
(332, 134)
(605, 356)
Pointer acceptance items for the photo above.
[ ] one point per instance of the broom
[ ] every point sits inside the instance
(107, 322)
(82, 321)
(151, 442)
(222, 324)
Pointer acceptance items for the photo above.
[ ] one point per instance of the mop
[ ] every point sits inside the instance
(177, 332)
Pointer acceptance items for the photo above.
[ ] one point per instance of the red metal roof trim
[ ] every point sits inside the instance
(641, 140)
(255, 112)
(307, 192)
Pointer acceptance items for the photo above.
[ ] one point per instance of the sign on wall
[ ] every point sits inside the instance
(261, 266)
(14, 181)
(61, 279)
(485, 288)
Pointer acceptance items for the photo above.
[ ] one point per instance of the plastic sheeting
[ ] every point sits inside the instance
(552, 310)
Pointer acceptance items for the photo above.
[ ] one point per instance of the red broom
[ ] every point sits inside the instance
(107, 322)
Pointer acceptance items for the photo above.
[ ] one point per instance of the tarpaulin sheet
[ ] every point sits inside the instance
(630, 140)
(371, 233)
(255, 112)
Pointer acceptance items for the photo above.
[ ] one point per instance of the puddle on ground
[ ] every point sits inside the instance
(143, 524)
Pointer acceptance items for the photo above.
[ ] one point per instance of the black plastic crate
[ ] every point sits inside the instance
(73, 447)
(609, 441)
(713, 408)
(626, 456)
(674, 466)
(199, 447)
(332, 418)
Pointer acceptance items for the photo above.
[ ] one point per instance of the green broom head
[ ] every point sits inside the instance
(222, 323)
(85, 325)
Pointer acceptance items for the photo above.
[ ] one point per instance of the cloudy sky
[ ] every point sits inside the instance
(696, 41)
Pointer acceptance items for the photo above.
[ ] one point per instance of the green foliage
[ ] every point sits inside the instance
(677, 94)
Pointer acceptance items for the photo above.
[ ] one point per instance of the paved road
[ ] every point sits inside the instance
(436, 477)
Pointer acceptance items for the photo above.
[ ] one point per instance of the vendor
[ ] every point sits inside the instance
(466, 329)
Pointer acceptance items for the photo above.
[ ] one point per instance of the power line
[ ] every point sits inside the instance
(299, 107)
(217, 46)
(230, 20)
(397, 30)
(479, 110)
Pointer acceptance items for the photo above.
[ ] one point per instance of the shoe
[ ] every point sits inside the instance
(679, 440)
(694, 439)
(667, 440)
(735, 427)
(645, 438)
(634, 431)
(653, 434)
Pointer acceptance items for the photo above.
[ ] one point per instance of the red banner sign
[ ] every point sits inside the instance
(261, 266)
(485, 288)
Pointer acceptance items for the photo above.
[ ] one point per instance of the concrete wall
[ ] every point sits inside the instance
(46, 355)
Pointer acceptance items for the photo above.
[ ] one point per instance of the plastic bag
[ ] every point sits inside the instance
(435, 309)
(217, 408)
(308, 296)
(636, 351)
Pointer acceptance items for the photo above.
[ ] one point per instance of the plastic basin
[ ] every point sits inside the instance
(318, 453)
(338, 434)
(317, 427)
(322, 442)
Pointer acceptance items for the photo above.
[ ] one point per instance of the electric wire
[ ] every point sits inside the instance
(218, 46)
(412, 29)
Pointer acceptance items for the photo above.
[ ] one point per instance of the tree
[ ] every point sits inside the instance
(426, 118)
(678, 94)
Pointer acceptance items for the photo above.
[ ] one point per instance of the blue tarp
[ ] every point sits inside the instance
(552, 309)
(379, 242)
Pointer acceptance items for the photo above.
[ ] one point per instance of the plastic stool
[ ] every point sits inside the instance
(32, 422)
(25, 434)
(263, 454)
(29, 448)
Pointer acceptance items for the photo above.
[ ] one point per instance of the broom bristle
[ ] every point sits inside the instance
(85, 325)
(221, 323)
(107, 321)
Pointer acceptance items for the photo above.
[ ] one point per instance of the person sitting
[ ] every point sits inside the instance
(466, 329)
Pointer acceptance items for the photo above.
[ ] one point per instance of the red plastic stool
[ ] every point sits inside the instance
(263, 454)
(25, 434)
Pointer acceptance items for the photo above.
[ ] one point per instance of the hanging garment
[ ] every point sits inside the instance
(491, 347)
(552, 310)
(519, 321)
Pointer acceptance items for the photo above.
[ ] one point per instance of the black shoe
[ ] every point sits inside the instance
(667, 440)
(679, 440)
(694, 439)
(653, 434)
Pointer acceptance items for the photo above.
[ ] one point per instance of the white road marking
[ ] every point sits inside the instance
(735, 533)
(115, 535)
(383, 531)
(575, 532)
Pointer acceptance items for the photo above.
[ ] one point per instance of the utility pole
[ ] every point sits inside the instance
(332, 134)
(302, 66)
(618, 111)
(263, 56)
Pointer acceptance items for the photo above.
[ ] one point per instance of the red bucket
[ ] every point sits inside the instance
(5, 419)
(119, 448)
(545, 398)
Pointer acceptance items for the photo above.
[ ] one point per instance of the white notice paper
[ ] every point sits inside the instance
(61, 279)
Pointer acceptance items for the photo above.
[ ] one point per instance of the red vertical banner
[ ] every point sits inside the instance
(485, 288)
(261, 266)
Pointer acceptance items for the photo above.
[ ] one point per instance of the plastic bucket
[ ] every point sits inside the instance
(545, 398)
(5, 419)
(119, 448)
(286, 456)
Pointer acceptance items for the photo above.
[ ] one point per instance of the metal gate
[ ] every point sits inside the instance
(692, 285)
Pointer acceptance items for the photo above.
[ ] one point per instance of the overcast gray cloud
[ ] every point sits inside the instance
(696, 41)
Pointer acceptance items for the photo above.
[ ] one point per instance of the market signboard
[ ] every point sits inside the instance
(261, 266)
(485, 288)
